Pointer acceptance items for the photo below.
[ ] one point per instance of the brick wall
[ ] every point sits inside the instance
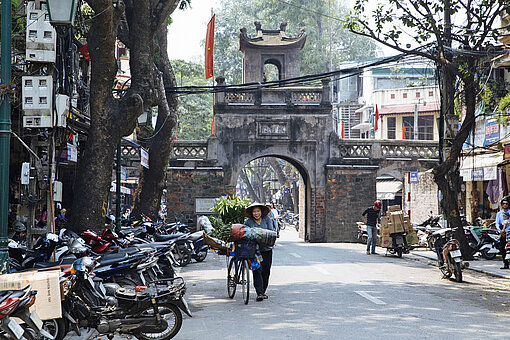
(184, 185)
(424, 197)
(348, 193)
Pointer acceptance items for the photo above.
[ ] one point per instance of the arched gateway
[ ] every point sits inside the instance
(293, 123)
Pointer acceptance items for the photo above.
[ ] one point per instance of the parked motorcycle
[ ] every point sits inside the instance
(16, 304)
(362, 232)
(490, 243)
(152, 312)
(448, 253)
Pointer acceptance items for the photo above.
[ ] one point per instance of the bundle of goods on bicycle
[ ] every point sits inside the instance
(263, 237)
(216, 244)
(396, 221)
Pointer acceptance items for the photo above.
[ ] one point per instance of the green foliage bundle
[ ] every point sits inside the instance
(230, 210)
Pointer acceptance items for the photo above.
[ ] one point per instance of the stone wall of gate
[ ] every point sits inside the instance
(186, 184)
(349, 191)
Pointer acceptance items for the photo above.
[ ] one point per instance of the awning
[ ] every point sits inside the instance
(481, 167)
(404, 109)
(386, 190)
(362, 126)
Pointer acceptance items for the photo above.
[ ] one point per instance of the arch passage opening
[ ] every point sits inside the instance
(281, 182)
(272, 70)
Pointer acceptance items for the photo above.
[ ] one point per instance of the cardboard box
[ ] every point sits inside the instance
(384, 221)
(397, 218)
(411, 239)
(386, 242)
(46, 282)
(384, 230)
(393, 208)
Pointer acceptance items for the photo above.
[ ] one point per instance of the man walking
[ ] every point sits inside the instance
(503, 227)
(371, 218)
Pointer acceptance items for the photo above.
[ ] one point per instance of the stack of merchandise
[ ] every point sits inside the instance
(394, 222)
(264, 237)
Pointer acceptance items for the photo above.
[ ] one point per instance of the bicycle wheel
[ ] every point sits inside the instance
(245, 281)
(231, 278)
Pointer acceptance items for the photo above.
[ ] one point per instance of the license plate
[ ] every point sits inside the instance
(36, 320)
(507, 257)
(456, 253)
(15, 328)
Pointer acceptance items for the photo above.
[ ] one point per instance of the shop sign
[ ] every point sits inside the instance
(413, 177)
(72, 153)
(506, 152)
(123, 174)
(204, 205)
(144, 158)
(478, 174)
(491, 131)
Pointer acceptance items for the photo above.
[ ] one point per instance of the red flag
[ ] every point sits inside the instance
(212, 126)
(403, 131)
(209, 46)
(376, 125)
(175, 136)
(342, 133)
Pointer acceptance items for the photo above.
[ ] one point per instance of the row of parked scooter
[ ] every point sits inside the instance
(121, 280)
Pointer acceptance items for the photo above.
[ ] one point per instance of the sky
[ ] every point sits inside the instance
(188, 29)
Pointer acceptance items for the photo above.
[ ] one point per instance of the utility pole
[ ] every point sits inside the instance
(117, 187)
(5, 133)
(415, 137)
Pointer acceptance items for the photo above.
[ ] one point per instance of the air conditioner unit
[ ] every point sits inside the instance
(62, 108)
(57, 191)
(41, 37)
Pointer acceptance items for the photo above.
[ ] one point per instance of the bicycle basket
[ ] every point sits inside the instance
(245, 250)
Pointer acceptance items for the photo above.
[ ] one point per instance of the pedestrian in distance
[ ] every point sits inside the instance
(274, 218)
(503, 226)
(371, 216)
(257, 215)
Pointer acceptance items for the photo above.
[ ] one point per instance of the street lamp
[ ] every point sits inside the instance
(62, 12)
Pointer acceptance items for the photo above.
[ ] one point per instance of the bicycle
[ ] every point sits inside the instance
(238, 270)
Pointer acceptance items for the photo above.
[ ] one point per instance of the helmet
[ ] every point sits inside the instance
(19, 227)
(83, 265)
(378, 204)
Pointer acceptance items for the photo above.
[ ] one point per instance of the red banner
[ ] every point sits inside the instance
(376, 126)
(209, 47)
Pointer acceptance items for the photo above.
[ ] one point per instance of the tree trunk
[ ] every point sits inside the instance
(96, 164)
(251, 191)
(446, 175)
(282, 178)
(152, 180)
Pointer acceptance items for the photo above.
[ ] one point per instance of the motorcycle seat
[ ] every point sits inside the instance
(196, 236)
(110, 259)
(163, 238)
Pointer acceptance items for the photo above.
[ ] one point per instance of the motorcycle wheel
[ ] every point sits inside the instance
(172, 316)
(457, 271)
(364, 239)
(444, 269)
(58, 328)
(182, 254)
(399, 252)
(488, 256)
(201, 256)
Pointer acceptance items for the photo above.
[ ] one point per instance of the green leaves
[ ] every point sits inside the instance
(231, 208)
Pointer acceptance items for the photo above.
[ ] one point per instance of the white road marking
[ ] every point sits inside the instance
(370, 298)
(295, 255)
(322, 270)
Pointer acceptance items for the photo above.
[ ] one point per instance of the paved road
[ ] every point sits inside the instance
(336, 291)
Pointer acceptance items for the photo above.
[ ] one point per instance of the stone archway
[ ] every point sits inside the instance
(305, 188)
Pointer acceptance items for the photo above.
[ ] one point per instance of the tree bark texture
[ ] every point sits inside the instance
(447, 175)
(152, 180)
(112, 118)
(251, 191)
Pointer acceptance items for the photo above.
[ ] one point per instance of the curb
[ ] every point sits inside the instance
(469, 268)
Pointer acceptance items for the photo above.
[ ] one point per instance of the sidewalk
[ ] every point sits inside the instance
(490, 267)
